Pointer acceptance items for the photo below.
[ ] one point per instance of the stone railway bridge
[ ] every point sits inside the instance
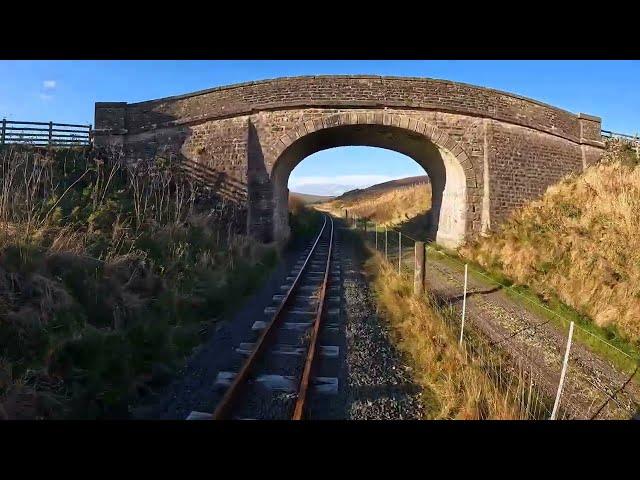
(486, 151)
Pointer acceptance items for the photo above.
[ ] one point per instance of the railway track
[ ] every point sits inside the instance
(276, 375)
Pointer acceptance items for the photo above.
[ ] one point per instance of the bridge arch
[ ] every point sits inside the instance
(500, 149)
(442, 157)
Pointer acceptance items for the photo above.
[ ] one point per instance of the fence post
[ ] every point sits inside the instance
(556, 405)
(50, 132)
(386, 256)
(464, 303)
(4, 128)
(399, 253)
(90, 134)
(418, 274)
(346, 216)
(376, 227)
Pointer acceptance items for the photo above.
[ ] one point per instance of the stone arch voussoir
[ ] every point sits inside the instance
(428, 130)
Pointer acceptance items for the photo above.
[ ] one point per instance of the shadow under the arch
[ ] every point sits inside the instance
(421, 227)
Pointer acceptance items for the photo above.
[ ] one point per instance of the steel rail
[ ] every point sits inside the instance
(303, 387)
(225, 405)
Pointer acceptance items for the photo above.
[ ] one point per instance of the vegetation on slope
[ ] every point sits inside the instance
(580, 242)
(309, 199)
(388, 206)
(457, 383)
(303, 221)
(110, 273)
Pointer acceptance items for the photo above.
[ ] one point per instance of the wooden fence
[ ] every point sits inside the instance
(43, 134)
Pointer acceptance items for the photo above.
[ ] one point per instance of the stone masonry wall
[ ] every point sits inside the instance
(511, 148)
(354, 91)
(523, 163)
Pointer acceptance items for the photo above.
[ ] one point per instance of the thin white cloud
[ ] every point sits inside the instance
(49, 84)
(45, 97)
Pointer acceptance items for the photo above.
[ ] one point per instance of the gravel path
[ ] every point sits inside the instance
(538, 344)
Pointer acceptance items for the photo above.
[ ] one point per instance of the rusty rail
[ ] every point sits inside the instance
(226, 404)
(303, 387)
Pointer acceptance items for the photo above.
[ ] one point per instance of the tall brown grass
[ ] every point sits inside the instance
(580, 242)
(470, 382)
(296, 204)
(387, 208)
(109, 272)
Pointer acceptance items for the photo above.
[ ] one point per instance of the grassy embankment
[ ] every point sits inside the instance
(392, 206)
(468, 382)
(304, 221)
(109, 275)
(578, 249)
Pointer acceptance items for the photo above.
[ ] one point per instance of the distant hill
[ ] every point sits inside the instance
(382, 187)
(308, 199)
(388, 203)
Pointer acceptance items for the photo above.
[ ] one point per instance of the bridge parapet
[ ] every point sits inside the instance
(348, 92)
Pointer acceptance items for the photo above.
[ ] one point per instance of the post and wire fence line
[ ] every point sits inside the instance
(415, 263)
(45, 134)
(634, 140)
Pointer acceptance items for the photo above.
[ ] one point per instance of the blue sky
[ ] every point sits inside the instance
(65, 92)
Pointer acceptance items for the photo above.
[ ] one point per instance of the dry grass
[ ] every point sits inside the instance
(388, 208)
(581, 243)
(458, 383)
(109, 272)
(296, 204)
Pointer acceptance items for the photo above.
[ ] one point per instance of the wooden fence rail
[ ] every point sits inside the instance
(44, 134)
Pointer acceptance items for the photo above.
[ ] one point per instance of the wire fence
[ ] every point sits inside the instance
(633, 140)
(561, 358)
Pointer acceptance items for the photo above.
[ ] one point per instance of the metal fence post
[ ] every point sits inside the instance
(4, 128)
(376, 227)
(418, 274)
(386, 256)
(464, 303)
(556, 405)
(399, 253)
(50, 132)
